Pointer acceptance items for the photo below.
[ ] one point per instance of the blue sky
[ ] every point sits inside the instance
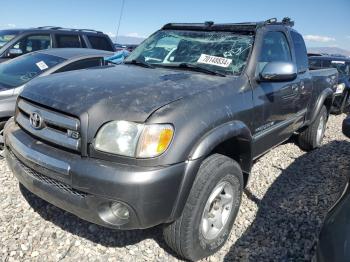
(323, 23)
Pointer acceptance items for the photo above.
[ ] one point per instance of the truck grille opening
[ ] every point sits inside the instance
(47, 180)
(48, 125)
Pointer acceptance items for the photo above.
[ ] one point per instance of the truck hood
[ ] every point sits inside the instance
(124, 92)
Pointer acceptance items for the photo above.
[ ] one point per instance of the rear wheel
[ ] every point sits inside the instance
(210, 211)
(312, 137)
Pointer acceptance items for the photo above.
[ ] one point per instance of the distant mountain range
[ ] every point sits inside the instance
(329, 50)
(128, 40)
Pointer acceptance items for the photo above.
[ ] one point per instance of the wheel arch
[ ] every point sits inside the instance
(232, 139)
(324, 99)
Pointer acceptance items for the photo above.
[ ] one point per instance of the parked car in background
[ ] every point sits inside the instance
(170, 140)
(129, 48)
(342, 64)
(16, 42)
(334, 238)
(15, 73)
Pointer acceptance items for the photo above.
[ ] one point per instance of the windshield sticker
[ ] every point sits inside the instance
(214, 60)
(338, 62)
(42, 66)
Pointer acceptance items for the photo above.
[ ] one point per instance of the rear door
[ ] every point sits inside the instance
(275, 110)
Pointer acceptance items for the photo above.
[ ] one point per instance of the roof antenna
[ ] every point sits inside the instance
(120, 18)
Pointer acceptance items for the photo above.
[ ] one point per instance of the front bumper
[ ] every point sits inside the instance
(86, 187)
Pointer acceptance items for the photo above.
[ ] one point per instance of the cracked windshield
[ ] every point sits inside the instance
(223, 52)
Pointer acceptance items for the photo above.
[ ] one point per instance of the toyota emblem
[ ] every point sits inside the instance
(36, 121)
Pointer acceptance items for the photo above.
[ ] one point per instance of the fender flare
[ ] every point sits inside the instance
(233, 129)
(325, 94)
(230, 130)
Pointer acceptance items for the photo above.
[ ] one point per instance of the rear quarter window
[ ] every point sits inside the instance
(300, 52)
(101, 43)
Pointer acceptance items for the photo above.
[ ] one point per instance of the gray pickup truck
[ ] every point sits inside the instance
(170, 136)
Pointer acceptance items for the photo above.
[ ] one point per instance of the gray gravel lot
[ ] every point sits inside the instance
(279, 220)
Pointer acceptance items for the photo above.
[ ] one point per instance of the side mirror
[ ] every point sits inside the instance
(278, 71)
(14, 52)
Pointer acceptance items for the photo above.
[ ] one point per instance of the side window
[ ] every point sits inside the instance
(82, 64)
(315, 64)
(101, 43)
(33, 43)
(68, 41)
(275, 48)
(300, 51)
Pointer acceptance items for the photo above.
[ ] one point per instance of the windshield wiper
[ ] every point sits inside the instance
(199, 68)
(139, 63)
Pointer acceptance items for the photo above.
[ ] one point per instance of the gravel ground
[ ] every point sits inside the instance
(279, 219)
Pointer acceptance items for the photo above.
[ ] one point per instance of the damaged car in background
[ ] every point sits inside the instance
(342, 91)
(15, 73)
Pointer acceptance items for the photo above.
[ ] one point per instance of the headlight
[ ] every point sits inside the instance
(134, 140)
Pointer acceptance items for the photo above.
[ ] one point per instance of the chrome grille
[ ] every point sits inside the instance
(55, 128)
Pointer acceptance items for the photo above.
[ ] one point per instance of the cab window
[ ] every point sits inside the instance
(275, 48)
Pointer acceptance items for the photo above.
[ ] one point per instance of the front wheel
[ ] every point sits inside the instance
(210, 210)
(312, 137)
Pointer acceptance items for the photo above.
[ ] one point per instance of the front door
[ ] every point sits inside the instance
(274, 102)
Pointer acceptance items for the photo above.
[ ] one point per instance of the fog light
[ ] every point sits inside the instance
(120, 210)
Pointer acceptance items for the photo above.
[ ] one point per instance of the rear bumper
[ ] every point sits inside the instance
(87, 187)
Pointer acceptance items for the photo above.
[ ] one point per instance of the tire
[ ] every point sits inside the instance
(193, 236)
(312, 137)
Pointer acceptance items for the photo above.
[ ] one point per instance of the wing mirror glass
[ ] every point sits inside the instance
(15, 52)
(278, 71)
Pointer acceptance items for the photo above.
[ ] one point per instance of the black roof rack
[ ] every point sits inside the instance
(285, 21)
(68, 29)
(246, 26)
